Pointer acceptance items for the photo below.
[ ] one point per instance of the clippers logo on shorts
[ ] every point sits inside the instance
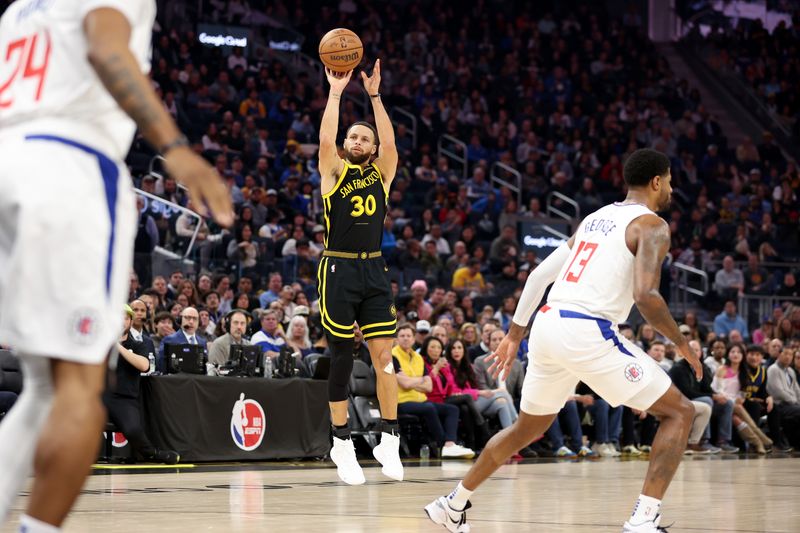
(633, 372)
(84, 326)
(247, 424)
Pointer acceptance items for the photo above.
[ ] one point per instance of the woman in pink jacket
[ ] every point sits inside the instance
(445, 390)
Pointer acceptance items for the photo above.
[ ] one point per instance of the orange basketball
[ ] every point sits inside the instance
(341, 50)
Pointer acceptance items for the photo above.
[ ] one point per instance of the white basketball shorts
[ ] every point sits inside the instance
(67, 225)
(568, 346)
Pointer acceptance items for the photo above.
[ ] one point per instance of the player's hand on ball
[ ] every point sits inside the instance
(373, 83)
(503, 357)
(337, 83)
(205, 186)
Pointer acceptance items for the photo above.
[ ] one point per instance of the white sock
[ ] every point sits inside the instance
(459, 497)
(20, 430)
(646, 509)
(741, 426)
(31, 525)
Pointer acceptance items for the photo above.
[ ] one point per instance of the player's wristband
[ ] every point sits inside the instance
(378, 95)
(180, 141)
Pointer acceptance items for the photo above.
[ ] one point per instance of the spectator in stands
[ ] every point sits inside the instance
(469, 278)
(413, 383)
(189, 321)
(122, 396)
(757, 401)
(729, 281)
(138, 331)
(728, 321)
(765, 332)
(645, 336)
(419, 290)
(788, 288)
(243, 250)
(722, 407)
(468, 333)
(435, 235)
(782, 385)
(726, 381)
(697, 330)
(160, 288)
(298, 338)
(501, 244)
(273, 290)
(164, 327)
(658, 352)
(774, 349)
(423, 330)
(756, 278)
(718, 351)
(483, 348)
(219, 353)
(271, 337)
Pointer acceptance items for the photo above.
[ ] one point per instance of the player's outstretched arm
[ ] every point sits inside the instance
(108, 34)
(387, 151)
(649, 236)
(537, 282)
(330, 164)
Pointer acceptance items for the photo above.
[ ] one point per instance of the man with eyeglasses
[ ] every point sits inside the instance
(190, 319)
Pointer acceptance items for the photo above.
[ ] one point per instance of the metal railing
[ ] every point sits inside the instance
(762, 305)
(495, 176)
(552, 210)
(454, 150)
(688, 280)
(409, 120)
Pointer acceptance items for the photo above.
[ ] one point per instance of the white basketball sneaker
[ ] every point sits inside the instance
(440, 512)
(388, 454)
(343, 454)
(651, 526)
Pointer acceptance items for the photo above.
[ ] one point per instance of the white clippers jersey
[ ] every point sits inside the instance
(598, 275)
(47, 85)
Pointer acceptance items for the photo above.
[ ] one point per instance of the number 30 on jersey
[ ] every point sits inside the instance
(363, 205)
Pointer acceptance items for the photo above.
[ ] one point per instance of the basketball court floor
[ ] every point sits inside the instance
(728, 494)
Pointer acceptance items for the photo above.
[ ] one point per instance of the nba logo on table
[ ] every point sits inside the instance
(633, 372)
(247, 424)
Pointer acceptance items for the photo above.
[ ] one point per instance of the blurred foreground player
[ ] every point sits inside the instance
(72, 95)
(611, 262)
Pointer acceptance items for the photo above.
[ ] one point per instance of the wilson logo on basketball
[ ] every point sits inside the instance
(633, 372)
(352, 56)
(247, 424)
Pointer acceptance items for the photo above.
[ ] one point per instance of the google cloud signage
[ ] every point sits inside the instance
(222, 36)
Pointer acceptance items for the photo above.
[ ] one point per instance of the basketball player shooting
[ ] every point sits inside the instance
(352, 277)
(73, 93)
(612, 261)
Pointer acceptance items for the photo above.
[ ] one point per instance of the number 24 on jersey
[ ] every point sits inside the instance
(33, 52)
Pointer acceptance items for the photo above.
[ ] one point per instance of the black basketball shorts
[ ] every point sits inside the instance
(356, 290)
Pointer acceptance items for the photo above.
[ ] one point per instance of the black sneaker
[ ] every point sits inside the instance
(168, 457)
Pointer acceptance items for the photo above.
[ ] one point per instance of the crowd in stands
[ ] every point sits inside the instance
(766, 60)
(560, 91)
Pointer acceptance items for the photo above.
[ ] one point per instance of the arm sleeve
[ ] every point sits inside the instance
(537, 282)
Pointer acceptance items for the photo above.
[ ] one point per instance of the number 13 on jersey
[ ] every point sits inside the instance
(585, 252)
